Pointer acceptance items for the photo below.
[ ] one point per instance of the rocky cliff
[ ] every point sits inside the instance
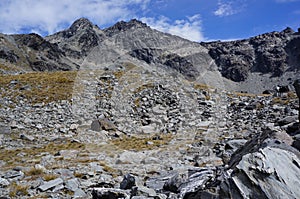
(273, 53)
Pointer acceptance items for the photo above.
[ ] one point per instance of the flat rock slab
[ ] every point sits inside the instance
(51, 184)
(264, 171)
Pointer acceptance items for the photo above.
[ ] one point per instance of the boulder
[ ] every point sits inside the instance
(128, 182)
(287, 120)
(265, 167)
(103, 124)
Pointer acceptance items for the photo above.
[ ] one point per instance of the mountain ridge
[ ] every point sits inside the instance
(84, 44)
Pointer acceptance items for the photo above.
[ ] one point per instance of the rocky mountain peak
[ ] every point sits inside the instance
(288, 30)
(79, 39)
(123, 26)
(82, 23)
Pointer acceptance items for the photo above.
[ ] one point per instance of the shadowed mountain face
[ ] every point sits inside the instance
(273, 53)
(85, 45)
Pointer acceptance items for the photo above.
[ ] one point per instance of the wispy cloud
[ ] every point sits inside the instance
(48, 16)
(189, 28)
(296, 12)
(227, 8)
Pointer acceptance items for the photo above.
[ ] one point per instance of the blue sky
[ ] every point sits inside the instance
(197, 20)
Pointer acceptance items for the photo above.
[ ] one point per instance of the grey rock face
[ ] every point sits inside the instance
(260, 174)
(44, 56)
(267, 53)
(123, 26)
(255, 170)
(9, 55)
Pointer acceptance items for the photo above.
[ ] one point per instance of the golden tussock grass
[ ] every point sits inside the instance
(38, 87)
(13, 157)
(17, 190)
(198, 86)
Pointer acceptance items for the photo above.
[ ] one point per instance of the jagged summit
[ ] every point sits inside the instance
(123, 26)
(82, 23)
(79, 26)
(78, 39)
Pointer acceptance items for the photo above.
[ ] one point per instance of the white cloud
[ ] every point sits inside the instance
(227, 8)
(49, 16)
(189, 28)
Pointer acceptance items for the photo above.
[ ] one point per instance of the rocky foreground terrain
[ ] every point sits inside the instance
(131, 133)
(113, 116)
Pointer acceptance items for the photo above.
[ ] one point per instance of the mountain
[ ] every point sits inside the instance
(244, 65)
(32, 52)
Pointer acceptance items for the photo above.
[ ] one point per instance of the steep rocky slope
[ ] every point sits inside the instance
(32, 52)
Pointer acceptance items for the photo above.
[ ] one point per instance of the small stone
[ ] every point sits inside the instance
(74, 127)
(16, 175)
(4, 182)
(27, 137)
(149, 129)
(5, 129)
(79, 193)
(72, 184)
(39, 126)
(128, 182)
